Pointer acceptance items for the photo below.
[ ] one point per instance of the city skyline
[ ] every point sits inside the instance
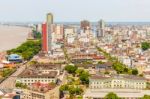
(75, 11)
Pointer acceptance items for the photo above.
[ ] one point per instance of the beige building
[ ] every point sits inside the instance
(31, 94)
(125, 81)
(121, 93)
(44, 73)
(125, 86)
(29, 77)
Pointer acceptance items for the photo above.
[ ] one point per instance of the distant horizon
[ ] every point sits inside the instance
(77, 22)
(75, 10)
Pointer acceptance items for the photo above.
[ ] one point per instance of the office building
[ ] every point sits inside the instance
(47, 33)
(101, 28)
(85, 25)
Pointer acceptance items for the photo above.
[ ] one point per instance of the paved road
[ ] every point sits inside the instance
(9, 83)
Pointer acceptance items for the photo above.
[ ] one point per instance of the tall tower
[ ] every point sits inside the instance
(101, 28)
(101, 24)
(44, 38)
(85, 25)
(47, 33)
(49, 22)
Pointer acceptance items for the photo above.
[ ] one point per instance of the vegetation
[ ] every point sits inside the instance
(37, 35)
(27, 50)
(145, 45)
(111, 95)
(117, 65)
(21, 85)
(6, 72)
(134, 71)
(146, 97)
(71, 69)
(100, 62)
(73, 90)
(83, 75)
(66, 54)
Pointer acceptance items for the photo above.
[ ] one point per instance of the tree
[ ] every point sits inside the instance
(106, 72)
(71, 69)
(119, 67)
(146, 97)
(145, 46)
(27, 50)
(21, 85)
(111, 95)
(126, 70)
(134, 71)
(79, 71)
(64, 88)
(100, 62)
(84, 77)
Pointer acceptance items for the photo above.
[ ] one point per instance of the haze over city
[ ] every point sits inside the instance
(75, 10)
(75, 49)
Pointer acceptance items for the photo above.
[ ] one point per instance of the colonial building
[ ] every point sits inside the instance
(43, 73)
(41, 91)
(118, 81)
(125, 86)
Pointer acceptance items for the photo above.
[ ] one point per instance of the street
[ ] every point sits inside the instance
(9, 83)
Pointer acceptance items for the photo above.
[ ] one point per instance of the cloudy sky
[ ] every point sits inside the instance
(74, 10)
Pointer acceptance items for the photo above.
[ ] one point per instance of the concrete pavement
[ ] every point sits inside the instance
(9, 83)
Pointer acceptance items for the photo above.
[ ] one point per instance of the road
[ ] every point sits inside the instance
(9, 83)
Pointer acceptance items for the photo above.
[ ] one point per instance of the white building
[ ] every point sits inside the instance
(126, 81)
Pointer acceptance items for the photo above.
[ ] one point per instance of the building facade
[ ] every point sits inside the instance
(127, 82)
(47, 33)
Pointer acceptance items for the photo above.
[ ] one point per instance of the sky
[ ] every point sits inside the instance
(75, 10)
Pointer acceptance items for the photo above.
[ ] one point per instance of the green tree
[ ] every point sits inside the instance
(111, 95)
(71, 69)
(146, 97)
(145, 45)
(27, 50)
(100, 62)
(64, 88)
(84, 77)
(119, 67)
(106, 72)
(79, 71)
(134, 71)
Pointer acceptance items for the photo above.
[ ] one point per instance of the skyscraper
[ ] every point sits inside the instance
(50, 18)
(85, 25)
(101, 24)
(101, 28)
(44, 38)
(47, 33)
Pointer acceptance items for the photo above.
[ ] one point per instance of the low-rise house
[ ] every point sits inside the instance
(14, 58)
(41, 91)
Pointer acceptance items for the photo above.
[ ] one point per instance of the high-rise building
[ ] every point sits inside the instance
(101, 28)
(49, 18)
(44, 38)
(47, 33)
(101, 24)
(85, 25)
